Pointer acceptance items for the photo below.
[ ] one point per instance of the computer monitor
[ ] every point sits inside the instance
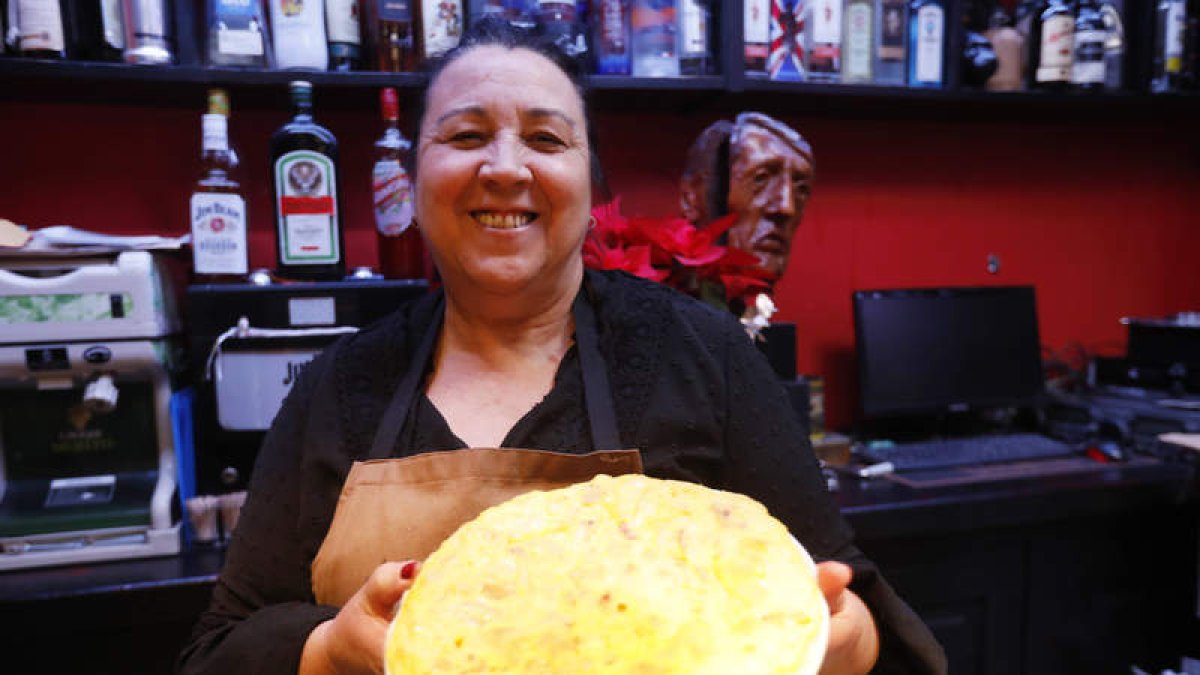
(933, 351)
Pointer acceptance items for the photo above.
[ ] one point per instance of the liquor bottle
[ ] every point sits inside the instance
(655, 38)
(825, 41)
(218, 211)
(96, 30)
(1009, 46)
(788, 39)
(1114, 45)
(555, 20)
(695, 45)
(926, 43)
(1170, 28)
(306, 191)
(756, 27)
(1054, 46)
(401, 250)
(441, 24)
(395, 41)
(1190, 74)
(1087, 65)
(610, 37)
(860, 37)
(891, 41)
(298, 29)
(237, 34)
(38, 28)
(345, 35)
(148, 35)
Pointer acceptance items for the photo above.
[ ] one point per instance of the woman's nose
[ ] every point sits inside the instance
(505, 163)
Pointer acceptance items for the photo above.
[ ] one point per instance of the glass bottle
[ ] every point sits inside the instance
(395, 40)
(926, 43)
(220, 243)
(401, 250)
(1009, 46)
(610, 37)
(655, 38)
(38, 28)
(345, 35)
(1170, 27)
(441, 24)
(756, 30)
(1053, 46)
(1114, 45)
(695, 47)
(148, 31)
(298, 29)
(97, 33)
(825, 41)
(891, 41)
(1088, 63)
(306, 193)
(237, 34)
(859, 34)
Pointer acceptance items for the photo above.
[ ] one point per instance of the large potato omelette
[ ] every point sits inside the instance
(616, 575)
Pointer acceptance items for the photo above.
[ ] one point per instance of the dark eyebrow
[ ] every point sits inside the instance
(550, 112)
(473, 110)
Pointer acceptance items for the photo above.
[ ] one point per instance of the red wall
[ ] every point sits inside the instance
(1101, 218)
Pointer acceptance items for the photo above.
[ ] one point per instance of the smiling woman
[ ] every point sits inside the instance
(523, 372)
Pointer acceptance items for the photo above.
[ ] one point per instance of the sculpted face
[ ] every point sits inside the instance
(769, 185)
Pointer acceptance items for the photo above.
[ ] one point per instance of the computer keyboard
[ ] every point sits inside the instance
(967, 451)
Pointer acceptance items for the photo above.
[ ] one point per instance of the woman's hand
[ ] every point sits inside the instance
(853, 640)
(352, 641)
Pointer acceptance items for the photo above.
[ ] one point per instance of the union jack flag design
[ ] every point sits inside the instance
(786, 58)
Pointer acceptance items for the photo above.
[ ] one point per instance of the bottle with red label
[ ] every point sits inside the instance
(305, 188)
(401, 250)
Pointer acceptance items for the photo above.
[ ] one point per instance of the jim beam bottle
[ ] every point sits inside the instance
(218, 211)
(305, 188)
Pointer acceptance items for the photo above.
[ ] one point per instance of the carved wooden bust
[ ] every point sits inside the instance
(759, 168)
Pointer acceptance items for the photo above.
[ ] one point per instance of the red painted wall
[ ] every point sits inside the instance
(1101, 218)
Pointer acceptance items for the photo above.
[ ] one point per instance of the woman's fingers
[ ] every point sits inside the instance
(386, 584)
(833, 577)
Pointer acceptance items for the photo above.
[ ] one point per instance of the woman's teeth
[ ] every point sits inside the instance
(503, 221)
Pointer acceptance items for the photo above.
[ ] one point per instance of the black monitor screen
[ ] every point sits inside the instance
(938, 350)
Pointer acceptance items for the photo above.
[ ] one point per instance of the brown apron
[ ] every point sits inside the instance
(402, 509)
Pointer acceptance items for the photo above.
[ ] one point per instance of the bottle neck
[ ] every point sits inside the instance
(215, 133)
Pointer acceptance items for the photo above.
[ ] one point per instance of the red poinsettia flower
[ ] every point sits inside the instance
(676, 253)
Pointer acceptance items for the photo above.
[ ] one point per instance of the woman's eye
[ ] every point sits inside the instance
(466, 137)
(546, 139)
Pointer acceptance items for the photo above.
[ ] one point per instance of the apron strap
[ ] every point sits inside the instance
(397, 410)
(597, 393)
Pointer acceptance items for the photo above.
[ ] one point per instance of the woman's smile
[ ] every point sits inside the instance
(504, 220)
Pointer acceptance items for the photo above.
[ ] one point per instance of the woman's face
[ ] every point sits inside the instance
(503, 191)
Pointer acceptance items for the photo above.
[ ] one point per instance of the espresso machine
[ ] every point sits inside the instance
(87, 440)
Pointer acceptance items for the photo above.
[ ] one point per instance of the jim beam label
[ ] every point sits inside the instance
(219, 243)
(307, 209)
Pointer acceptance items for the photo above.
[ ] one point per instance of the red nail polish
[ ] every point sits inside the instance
(408, 570)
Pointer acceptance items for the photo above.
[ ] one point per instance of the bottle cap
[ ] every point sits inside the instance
(218, 102)
(389, 102)
(301, 91)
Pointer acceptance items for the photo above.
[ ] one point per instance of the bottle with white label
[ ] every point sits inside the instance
(220, 250)
(1088, 64)
(695, 51)
(441, 25)
(1053, 46)
(37, 29)
(859, 34)
(345, 34)
(926, 43)
(298, 29)
(306, 192)
(756, 31)
(237, 34)
(825, 41)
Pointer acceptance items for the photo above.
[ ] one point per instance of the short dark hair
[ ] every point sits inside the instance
(499, 32)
